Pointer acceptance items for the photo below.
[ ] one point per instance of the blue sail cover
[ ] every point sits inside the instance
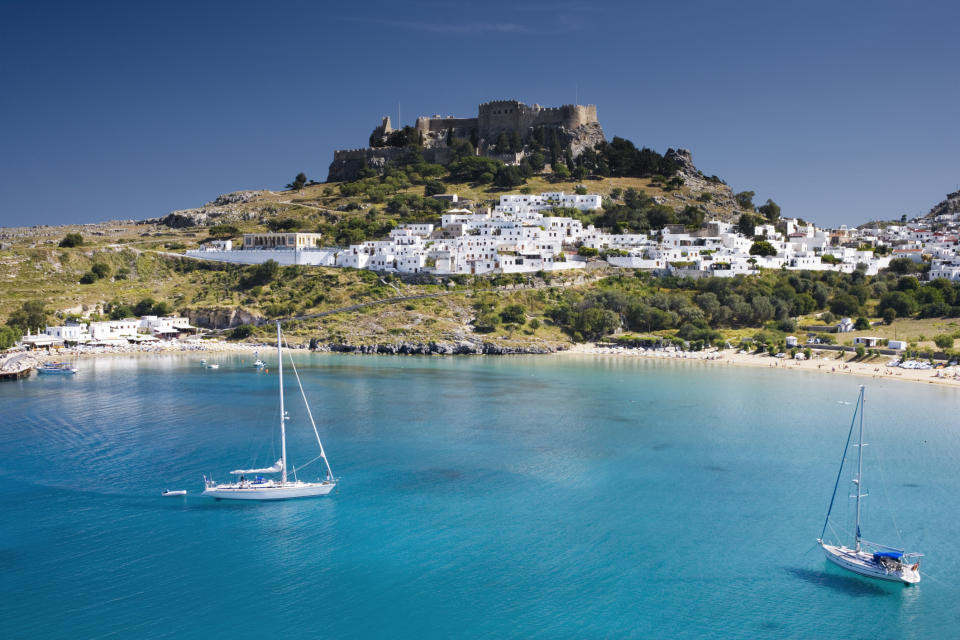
(896, 555)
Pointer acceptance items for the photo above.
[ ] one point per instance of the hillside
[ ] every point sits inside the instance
(126, 267)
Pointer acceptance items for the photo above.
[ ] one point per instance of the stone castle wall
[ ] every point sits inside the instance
(441, 125)
(582, 130)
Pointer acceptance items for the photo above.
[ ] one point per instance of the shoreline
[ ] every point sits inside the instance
(876, 369)
(822, 362)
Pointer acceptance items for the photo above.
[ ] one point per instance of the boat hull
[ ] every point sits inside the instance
(278, 491)
(863, 564)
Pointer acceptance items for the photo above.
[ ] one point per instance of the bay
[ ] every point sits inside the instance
(479, 497)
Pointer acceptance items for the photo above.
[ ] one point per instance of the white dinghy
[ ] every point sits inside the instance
(867, 558)
(260, 488)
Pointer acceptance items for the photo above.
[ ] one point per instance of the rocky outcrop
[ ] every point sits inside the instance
(433, 348)
(226, 208)
(221, 317)
(584, 137)
(948, 207)
(684, 160)
(237, 197)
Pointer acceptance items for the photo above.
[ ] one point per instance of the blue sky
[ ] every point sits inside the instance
(840, 111)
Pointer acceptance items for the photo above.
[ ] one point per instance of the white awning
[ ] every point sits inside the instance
(276, 468)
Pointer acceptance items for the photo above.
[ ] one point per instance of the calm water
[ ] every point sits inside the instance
(479, 497)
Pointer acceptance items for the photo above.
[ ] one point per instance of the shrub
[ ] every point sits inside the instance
(944, 341)
(8, 337)
(71, 240)
(861, 324)
(433, 188)
(787, 325)
(514, 313)
(100, 270)
(223, 231)
(241, 332)
(260, 274)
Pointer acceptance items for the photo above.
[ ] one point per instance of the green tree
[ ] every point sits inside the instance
(889, 315)
(31, 315)
(762, 248)
(944, 341)
(862, 324)
(770, 210)
(537, 161)
(560, 172)
(9, 337)
(261, 274)
(241, 332)
(299, 182)
(100, 270)
(902, 303)
(508, 176)
(594, 323)
(844, 304)
(515, 314)
(745, 200)
(144, 307)
(747, 224)
(433, 188)
(72, 240)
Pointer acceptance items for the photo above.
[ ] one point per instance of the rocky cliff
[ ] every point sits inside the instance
(949, 206)
(221, 317)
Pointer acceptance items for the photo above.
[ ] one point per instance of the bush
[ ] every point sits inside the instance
(889, 315)
(944, 341)
(241, 332)
(100, 270)
(71, 240)
(787, 325)
(88, 278)
(514, 313)
(9, 337)
(433, 188)
(862, 324)
(762, 248)
(260, 274)
(223, 231)
(587, 252)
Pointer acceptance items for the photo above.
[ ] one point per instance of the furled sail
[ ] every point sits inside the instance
(276, 468)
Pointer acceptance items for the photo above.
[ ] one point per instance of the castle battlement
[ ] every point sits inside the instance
(493, 118)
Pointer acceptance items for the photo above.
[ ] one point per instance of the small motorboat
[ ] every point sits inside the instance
(203, 361)
(56, 368)
(213, 366)
(167, 493)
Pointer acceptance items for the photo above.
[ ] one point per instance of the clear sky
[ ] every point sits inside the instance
(840, 111)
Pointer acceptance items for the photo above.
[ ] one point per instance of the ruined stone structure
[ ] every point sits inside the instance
(577, 125)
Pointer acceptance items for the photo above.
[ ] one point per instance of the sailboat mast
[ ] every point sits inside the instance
(283, 415)
(859, 471)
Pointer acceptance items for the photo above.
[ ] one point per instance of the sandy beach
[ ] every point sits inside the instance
(825, 362)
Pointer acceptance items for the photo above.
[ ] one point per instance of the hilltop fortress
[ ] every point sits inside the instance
(576, 126)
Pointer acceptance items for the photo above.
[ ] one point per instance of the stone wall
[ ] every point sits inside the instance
(579, 127)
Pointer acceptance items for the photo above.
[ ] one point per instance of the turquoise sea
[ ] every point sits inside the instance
(479, 497)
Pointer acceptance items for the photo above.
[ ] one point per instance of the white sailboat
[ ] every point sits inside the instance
(259, 488)
(258, 363)
(867, 558)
